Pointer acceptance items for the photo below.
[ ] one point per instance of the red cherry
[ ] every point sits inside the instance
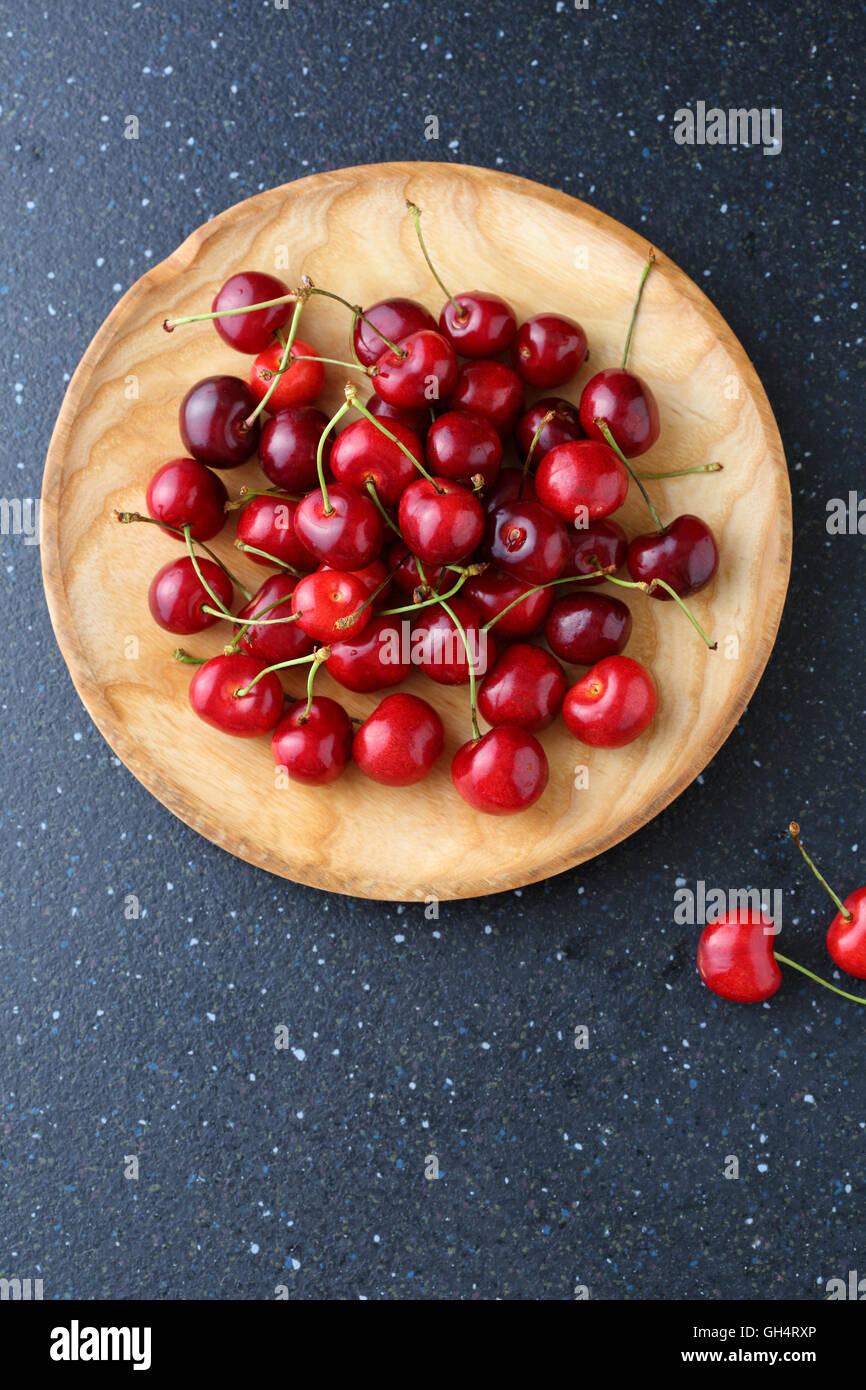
(585, 628)
(372, 661)
(362, 454)
(176, 595)
(400, 741)
(461, 445)
(271, 641)
(212, 415)
(510, 485)
(481, 324)
(251, 332)
(438, 648)
(404, 569)
(612, 704)
(490, 389)
(525, 689)
(493, 591)
(426, 371)
(372, 577)
(346, 533)
(581, 481)
(326, 596)
(548, 349)
(300, 384)
(396, 319)
(846, 940)
(315, 746)
(735, 957)
(605, 540)
(185, 493)
(440, 521)
(503, 772)
(685, 555)
(564, 427)
(416, 418)
(288, 447)
(213, 694)
(528, 541)
(626, 404)
(268, 523)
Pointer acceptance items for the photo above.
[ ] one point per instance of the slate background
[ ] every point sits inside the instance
(155, 1037)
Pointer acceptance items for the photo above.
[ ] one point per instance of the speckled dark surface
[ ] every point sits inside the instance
(306, 1166)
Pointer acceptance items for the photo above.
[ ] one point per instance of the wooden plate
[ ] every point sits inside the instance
(350, 232)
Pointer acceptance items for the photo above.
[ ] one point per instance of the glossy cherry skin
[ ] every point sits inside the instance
(268, 524)
(685, 555)
(462, 445)
(373, 661)
(211, 421)
(585, 628)
(438, 648)
(493, 591)
(581, 481)
(548, 349)
(348, 534)
(415, 418)
(440, 521)
(735, 957)
(426, 372)
(490, 389)
(185, 493)
(846, 941)
(363, 453)
(482, 325)
(300, 384)
(528, 541)
(271, 641)
(251, 332)
(213, 694)
(176, 595)
(326, 597)
(314, 748)
(372, 577)
(612, 704)
(525, 689)
(509, 485)
(404, 570)
(288, 447)
(502, 773)
(626, 404)
(605, 540)
(564, 427)
(396, 318)
(400, 741)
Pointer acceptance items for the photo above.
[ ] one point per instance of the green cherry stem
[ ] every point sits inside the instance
(647, 586)
(214, 598)
(171, 324)
(247, 494)
(349, 618)
(537, 588)
(320, 463)
(127, 517)
(794, 832)
(394, 440)
(784, 960)
(320, 655)
(180, 655)
(603, 426)
(357, 312)
(287, 350)
(650, 262)
(473, 709)
(272, 559)
(316, 658)
(415, 212)
(374, 497)
(426, 602)
(545, 420)
(682, 472)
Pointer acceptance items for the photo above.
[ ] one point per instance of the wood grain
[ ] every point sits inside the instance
(349, 231)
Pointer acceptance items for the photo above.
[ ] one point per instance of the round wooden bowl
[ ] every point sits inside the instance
(349, 230)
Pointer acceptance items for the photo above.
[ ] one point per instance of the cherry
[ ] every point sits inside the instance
(846, 935)
(438, 647)
(493, 591)
(564, 427)
(548, 349)
(736, 959)
(341, 527)
(424, 369)
(478, 324)
(501, 773)
(326, 597)
(253, 331)
(372, 576)
(313, 741)
(585, 628)
(363, 453)
(288, 445)
(300, 382)
(372, 661)
(415, 418)
(271, 641)
(510, 484)
(185, 493)
(404, 569)
(684, 554)
(626, 404)
(525, 689)
(612, 704)
(212, 416)
(396, 318)
(527, 540)
(462, 445)
(218, 693)
(604, 541)
(490, 389)
(581, 480)
(268, 523)
(177, 595)
(441, 522)
(400, 741)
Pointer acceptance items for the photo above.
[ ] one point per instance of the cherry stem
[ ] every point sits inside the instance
(254, 550)
(476, 733)
(315, 657)
(536, 589)
(358, 313)
(545, 420)
(603, 426)
(319, 655)
(783, 960)
(650, 262)
(349, 618)
(371, 488)
(320, 464)
(127, 517)
(394, 440)
(247, 494)
(426, 602)
(794, 832)
(180, 655)
(416, 218)
(287, 351)
(681, 472)
(201, 579)
(171, 324)
(257, 620)
(647, 586)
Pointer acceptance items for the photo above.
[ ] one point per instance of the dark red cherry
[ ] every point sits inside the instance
(846, 940)
(439, 650)
(564, 427)
(528, 541)
(376, 659)
(440, 521)
(271, 641)
(502, 773)
(251, 332)
(481, 324)
(581, 481)
(612, 704)
(548, 349)
(415, 418)
(490, 389)
(362, 454)
(509, 485)
(524, 689)
(462, 445)
(347, 533)
(404, 569)
(327, 597)
(177, 595)
(626, 404)
(685, 555)
(735, 957)
(396, 318)
(288, 446)
(585, 628)
(212, 415)
(313, 746)
(493, 591)
(185, 493)
(216, 695)
(400, 741)
(422, 376)
(268, 523)
(605, 540)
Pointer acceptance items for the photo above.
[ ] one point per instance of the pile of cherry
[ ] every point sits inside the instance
(407, 541)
